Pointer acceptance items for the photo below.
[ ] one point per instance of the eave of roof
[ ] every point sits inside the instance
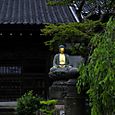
(33, 12)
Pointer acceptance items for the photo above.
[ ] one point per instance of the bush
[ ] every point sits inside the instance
(28, 104)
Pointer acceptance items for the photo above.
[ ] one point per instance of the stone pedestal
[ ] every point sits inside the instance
(72, 101)
(66, 93)
(58, 91)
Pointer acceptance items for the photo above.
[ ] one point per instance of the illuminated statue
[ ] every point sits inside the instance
(61, 64)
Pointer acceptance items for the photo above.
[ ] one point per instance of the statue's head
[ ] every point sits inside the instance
(61, 49)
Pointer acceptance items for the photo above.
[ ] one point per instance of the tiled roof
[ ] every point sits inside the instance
(33, 12)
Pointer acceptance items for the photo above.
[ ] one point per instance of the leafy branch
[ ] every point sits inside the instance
(97, 77)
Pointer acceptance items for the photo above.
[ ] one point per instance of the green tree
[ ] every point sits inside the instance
(97, 77)
(77, 35)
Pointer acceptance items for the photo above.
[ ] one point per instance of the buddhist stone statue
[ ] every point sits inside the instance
(61, 64)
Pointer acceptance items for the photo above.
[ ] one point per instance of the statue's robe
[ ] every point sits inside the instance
(56, 60)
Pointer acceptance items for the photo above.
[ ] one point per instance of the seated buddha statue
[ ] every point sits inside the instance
(61, 64)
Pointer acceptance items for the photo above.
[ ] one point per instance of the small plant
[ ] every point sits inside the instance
(48, 107)
(28, 104)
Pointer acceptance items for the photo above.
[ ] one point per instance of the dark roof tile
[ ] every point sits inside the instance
(33, 12)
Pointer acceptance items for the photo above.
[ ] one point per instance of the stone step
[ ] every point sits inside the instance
(7, 108)
(7, 111)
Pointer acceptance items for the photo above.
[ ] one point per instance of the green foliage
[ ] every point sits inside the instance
(28, 104)
(97, 77)
(48, 107)
(59, 2)
(48, 102)
(76, 34)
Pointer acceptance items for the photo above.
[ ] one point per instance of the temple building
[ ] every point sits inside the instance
(24, 58)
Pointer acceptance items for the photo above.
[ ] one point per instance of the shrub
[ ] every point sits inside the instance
(28, 104)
